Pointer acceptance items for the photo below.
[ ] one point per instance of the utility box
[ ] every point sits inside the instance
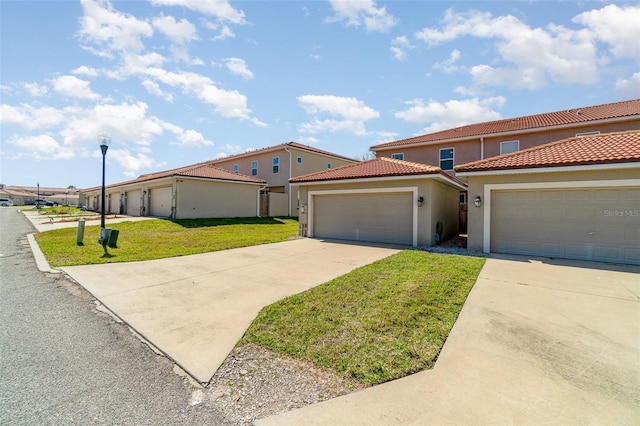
(113, 238)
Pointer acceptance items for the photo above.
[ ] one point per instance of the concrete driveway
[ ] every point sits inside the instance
(195, 308)
(537, 342)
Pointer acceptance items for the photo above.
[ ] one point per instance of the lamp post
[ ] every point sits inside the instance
(66, 198)
(104, 140)
(38, 199)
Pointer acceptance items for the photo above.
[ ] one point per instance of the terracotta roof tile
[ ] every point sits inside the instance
(283, 145)
(567, 117)
(607, 148)
(378, 167)
(200, 170)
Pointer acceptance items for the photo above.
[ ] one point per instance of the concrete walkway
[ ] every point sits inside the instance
(537, 342)
(195, 308)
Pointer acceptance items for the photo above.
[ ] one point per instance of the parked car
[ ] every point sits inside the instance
(46, 203)
(6, 202)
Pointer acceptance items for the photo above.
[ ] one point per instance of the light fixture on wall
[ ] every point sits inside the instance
(420, 201)
(477, 201)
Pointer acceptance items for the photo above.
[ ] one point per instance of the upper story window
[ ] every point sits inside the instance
(398, 156)
(235, 168)
(254, 168)
(328, 165)
(446, 158)
(509, 147)
(299, 160)
(595, 132)
(276, 164)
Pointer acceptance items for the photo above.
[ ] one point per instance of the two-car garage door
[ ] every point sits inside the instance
(385, 217)
(600, 224)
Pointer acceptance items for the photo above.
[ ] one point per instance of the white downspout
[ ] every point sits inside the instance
(482, 147)
(260, 188)
(289, 177)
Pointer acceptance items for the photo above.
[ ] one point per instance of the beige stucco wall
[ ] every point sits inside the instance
(440, 203)
(477, 187)
(472, 150)
(311, 162)
(206, 199)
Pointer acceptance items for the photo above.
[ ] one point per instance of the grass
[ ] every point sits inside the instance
(377, 323)
(157, 239)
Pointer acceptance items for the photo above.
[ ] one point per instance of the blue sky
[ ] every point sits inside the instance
(175, 82)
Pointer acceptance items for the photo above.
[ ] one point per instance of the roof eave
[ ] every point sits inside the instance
(550, 168)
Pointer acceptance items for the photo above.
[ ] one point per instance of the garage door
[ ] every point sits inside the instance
(133, 203)
(587, 224)
(160, 202)
(379, 217)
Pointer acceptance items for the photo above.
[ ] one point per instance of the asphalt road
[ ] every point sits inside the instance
(63, 362)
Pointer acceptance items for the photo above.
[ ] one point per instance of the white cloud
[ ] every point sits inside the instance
(31, 118)
(448, 65)
(85, 70)
(362, 12)
(351, 113)
(154, 89)
(629, 88)
(220, 9)
(110, 29)
(534, 54)
(616, 26)
(180, 32)
(35, 89)
(453, 113)
(42, 147)
(132, 164)
(399, 47)
(239, 67)
(192, 139)
(72, 86)
(225, 31)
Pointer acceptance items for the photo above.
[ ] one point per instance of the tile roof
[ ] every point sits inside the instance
(200, 170)
(378, 167)
(626, 109)
(606, 148)
(295, 145)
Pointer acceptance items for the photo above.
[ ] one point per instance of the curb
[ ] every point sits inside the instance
(41, 261)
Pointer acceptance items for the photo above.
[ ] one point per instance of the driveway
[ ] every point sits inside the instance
(538, 341)
(195, 308)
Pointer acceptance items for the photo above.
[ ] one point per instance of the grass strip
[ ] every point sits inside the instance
(377, 323)
(158, 239)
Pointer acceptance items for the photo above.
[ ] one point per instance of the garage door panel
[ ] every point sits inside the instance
(588, 224)
(379, 217)
(160, 202)
(133, 203)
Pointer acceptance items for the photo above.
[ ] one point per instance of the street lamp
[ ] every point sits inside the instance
(38, 199)
(66, 198)
(104, 140)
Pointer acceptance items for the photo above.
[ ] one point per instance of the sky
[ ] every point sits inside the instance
(177, 82)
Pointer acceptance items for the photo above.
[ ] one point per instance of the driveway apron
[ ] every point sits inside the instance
(539, 341)
(195, 308)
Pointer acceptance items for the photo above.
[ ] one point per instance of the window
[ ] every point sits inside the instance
(235, 168)
(276, 164)
(446, 158)
(595, 132)
(254, 168)
(509, 147)
(299, 160)
(328, 165)
(398, 156)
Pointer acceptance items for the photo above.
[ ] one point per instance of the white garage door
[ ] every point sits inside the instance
(587, 224)
(377, 217)
(160, 202)
(133, 203)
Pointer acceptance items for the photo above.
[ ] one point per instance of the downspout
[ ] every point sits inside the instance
(260, 188)
(482, 147)
(289, 177)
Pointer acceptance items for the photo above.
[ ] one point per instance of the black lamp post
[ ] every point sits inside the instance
(66, 198)
(38, 199)
(104, 140)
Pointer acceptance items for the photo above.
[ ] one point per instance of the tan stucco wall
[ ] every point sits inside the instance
(311, 162)
(477, 186)
(207, 199)
(435, 194)
(471, 150)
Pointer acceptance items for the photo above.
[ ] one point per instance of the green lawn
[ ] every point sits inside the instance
(157, 239)
(378, 323)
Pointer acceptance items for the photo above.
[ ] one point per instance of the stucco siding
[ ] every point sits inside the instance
(206, 199)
